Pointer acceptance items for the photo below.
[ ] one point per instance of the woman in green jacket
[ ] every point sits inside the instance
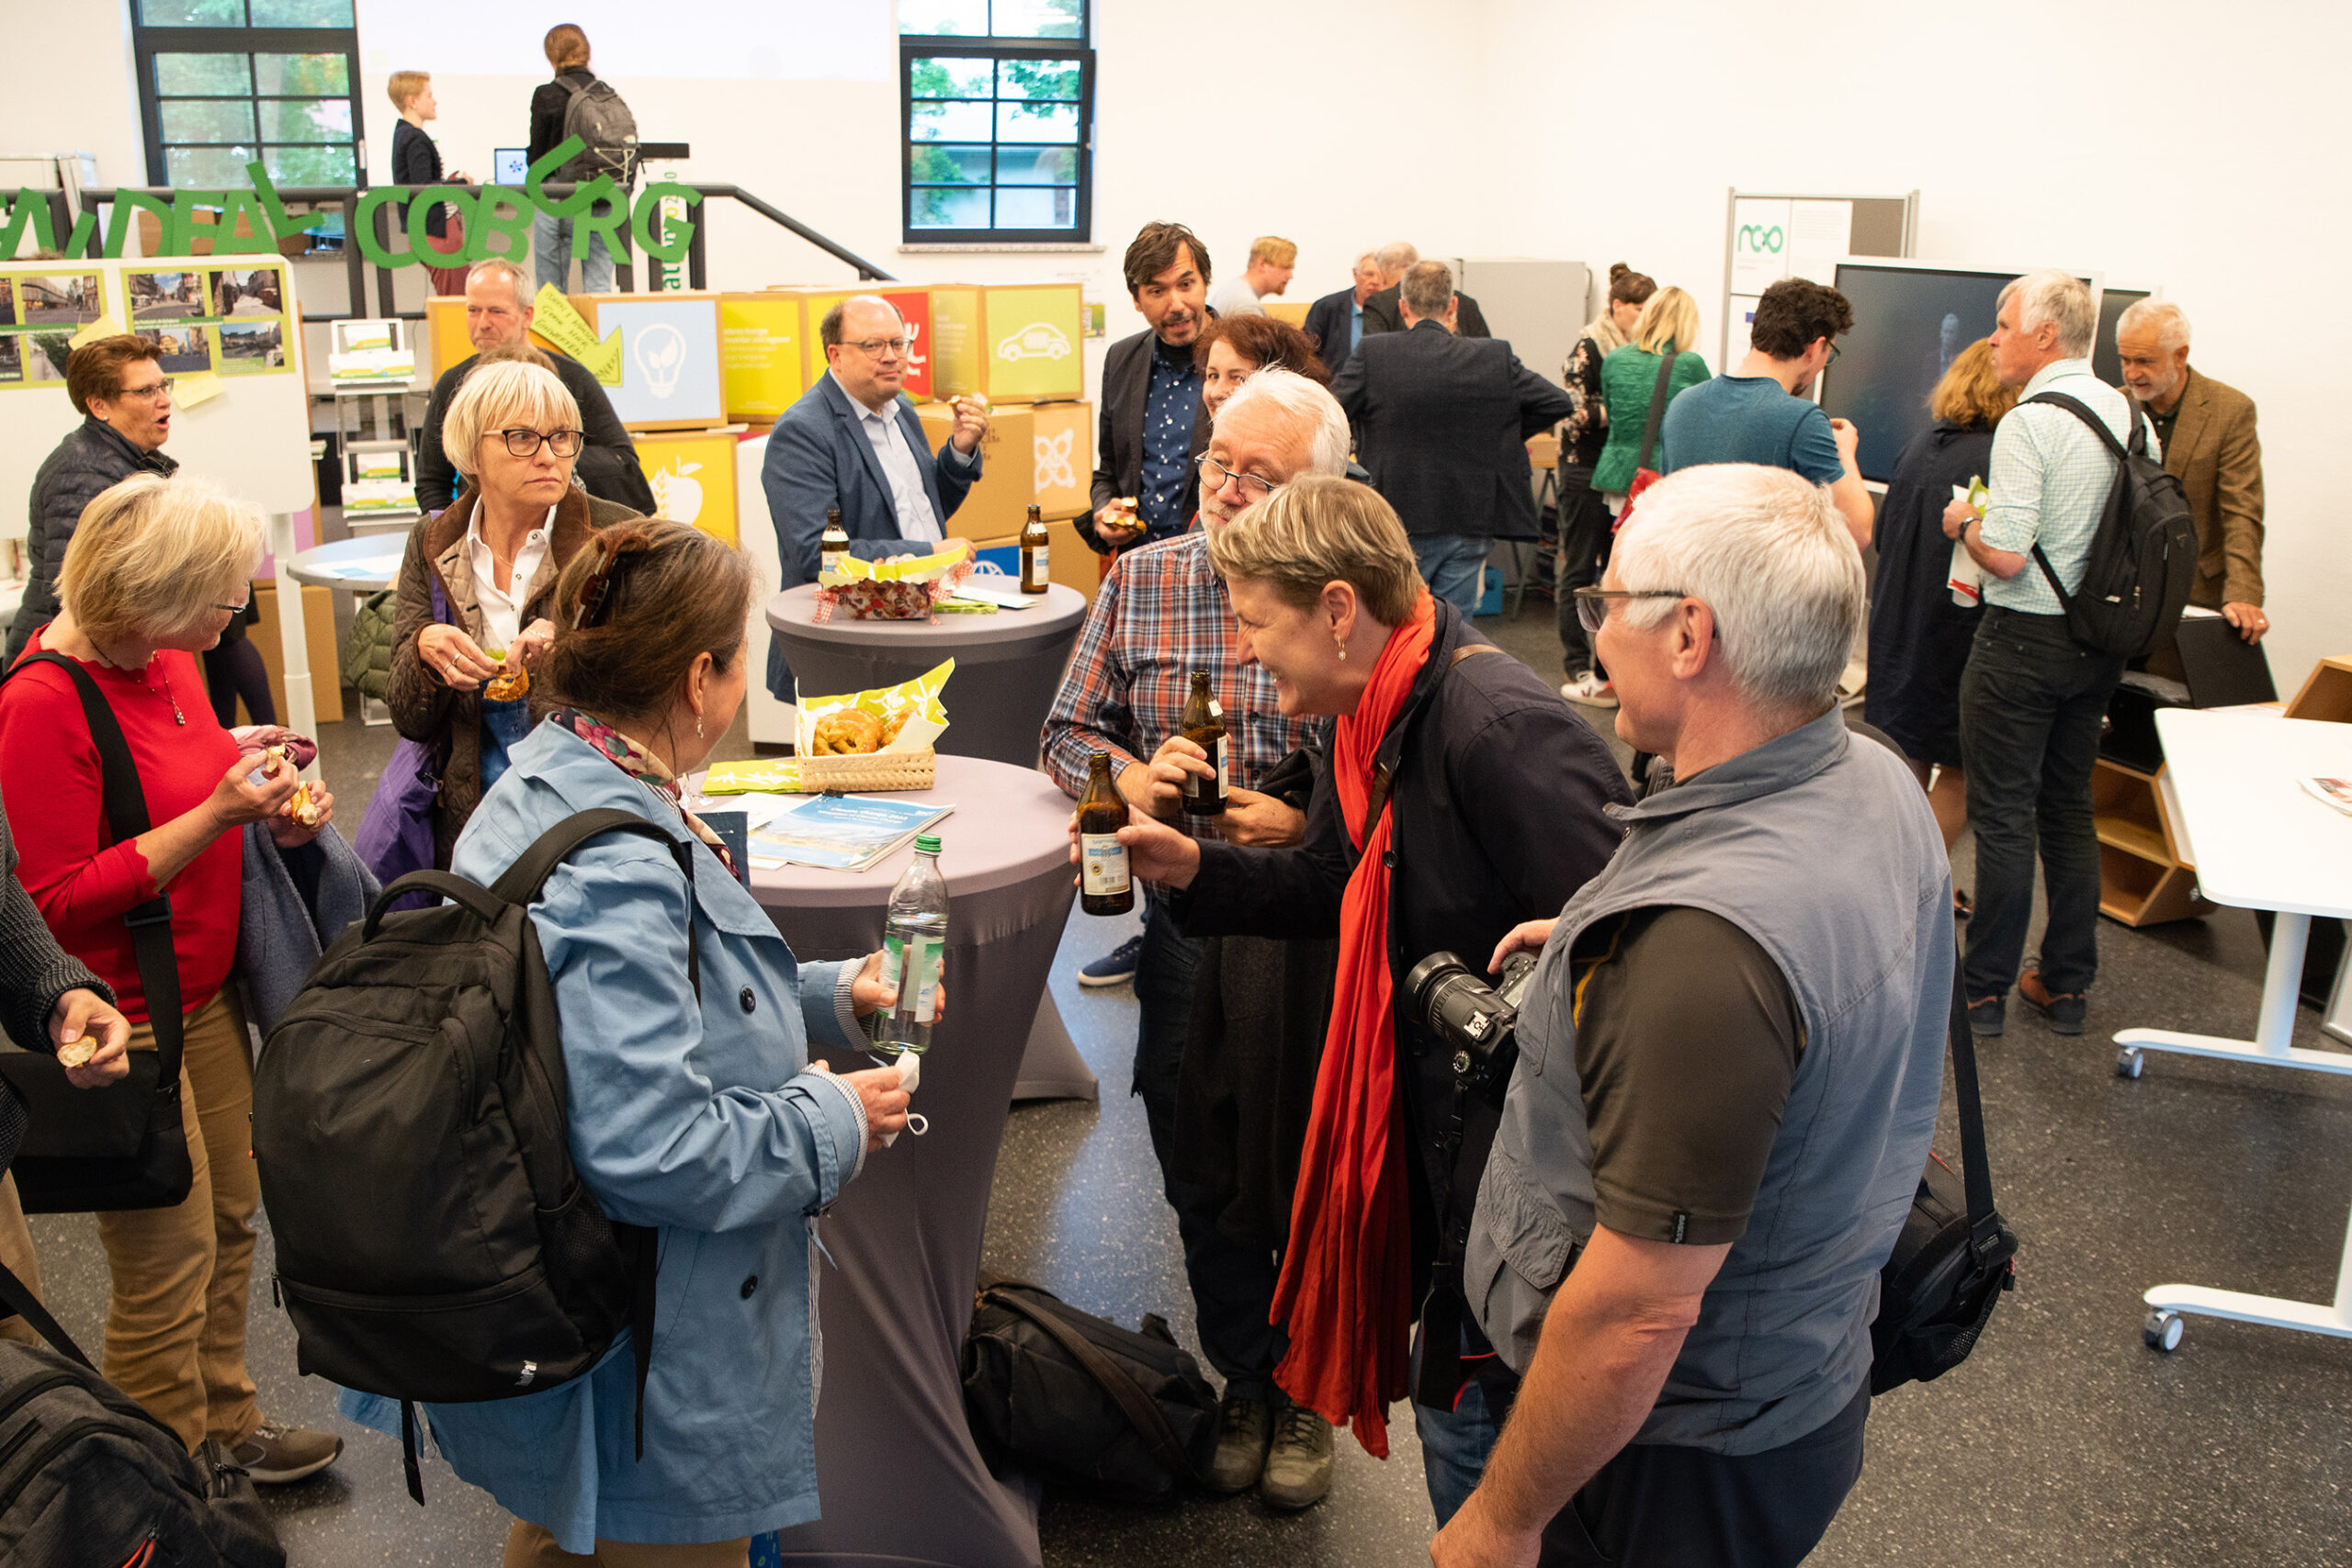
(1629, 377)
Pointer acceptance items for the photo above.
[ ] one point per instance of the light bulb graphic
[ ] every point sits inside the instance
(660, 353)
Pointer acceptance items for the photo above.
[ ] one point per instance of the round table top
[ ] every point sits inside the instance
(365, 562)
(1058, 611)
(1009, 825)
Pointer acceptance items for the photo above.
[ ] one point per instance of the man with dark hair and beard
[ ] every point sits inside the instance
(1153, 425)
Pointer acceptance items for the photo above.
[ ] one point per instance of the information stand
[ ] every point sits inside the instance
(1769, 237)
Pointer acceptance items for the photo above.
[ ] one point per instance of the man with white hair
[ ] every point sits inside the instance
(498, 312)
(1161, 613)
(2033, 699)
(2210, 446)
(1336, 320)
(1382, 313)
(1730, 1055)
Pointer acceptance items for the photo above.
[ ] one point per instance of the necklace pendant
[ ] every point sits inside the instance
(177, 716)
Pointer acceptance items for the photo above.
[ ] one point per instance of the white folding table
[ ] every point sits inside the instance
(2260, 842)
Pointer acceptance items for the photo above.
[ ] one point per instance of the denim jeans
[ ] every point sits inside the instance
(2031, 702)
(551, 256)
(1454, 1445)
(1232, 1284)
(1454, 566)
(1585, 539)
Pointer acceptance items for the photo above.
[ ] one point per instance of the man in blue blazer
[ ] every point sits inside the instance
(1336, 320)
(853, 441)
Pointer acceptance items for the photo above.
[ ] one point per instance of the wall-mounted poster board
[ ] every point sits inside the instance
(1769, 237)
(668, 352)
(692, 476)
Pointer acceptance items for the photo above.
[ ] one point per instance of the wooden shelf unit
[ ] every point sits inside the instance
(2327, 693)
(2142, 879)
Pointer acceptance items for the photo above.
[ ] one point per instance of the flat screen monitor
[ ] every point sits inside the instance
(2105, 363)
(510, 165)
(1910, 322)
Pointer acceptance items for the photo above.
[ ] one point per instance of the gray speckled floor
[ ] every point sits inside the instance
(2063, 1442)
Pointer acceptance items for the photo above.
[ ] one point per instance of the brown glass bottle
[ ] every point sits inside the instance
(1203, 723)
(1103, 886)
(1033, 577)
(833, 545)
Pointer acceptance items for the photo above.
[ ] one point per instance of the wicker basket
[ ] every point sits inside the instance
(868, 771)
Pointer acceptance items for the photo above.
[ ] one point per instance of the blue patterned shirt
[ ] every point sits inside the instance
(2047, 483)
(1169, 410)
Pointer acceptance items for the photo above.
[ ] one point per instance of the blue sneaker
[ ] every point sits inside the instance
(1114, 966)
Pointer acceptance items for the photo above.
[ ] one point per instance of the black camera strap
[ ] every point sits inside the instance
(1468, 1139)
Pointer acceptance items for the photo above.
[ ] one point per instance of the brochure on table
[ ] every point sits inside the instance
(839, 832)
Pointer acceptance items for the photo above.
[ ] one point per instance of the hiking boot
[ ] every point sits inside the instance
(277, 1453)
(1113, 966)
(2064, 1009)
(1987, 1016)
(1591, 689)
(1243, 1428)
(1299, 1471)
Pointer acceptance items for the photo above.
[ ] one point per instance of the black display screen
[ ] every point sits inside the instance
(1909, 322)
(2106, 363)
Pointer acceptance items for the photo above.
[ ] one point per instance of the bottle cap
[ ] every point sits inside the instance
(927, 843)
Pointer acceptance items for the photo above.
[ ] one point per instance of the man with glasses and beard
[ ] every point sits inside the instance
(853, 444)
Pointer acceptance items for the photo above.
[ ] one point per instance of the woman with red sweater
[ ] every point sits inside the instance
(157, 569)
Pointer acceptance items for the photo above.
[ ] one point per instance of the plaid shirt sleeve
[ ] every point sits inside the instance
(1092, 712)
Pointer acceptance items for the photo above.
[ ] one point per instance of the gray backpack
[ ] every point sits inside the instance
(598, 116)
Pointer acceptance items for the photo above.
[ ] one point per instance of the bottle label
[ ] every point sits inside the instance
(1034, 576)
(1104, 861)
(924, 980)
(1223, 783)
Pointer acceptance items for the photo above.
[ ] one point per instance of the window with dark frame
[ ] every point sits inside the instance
(1000, 117)
(223, 83)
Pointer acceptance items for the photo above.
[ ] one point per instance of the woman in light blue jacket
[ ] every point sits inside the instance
(702, 1117)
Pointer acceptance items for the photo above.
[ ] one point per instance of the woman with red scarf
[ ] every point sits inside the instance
(1463, 796)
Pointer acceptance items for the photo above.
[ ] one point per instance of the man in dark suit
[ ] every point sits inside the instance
(853, 444)
(1445, 425)
(1382, 313)
(1336, 320)
(498, 313)
(1153, 427)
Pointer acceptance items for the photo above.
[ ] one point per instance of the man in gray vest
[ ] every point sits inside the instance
(1729, 1062)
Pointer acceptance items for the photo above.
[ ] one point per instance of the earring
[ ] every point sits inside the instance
(1343, 647)
(697, 729)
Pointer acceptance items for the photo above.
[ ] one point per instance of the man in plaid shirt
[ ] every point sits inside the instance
(1161, 613)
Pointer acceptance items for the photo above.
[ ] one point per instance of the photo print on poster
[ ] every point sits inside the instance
(66, 299)
(164, 296)
(249, 348)
(244, 291)
(12, 361)
(183, 348)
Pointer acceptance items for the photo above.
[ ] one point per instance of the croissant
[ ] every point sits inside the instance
(847, 732)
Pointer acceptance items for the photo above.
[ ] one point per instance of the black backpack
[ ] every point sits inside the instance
(2144, 557)
(597, 114)
(1082, 1401)
(435, 1242)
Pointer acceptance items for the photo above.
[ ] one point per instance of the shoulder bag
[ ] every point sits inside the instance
(1643, 474)
(88, 1150)
(395, 835)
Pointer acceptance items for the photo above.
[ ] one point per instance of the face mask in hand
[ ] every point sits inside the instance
(910, 1068)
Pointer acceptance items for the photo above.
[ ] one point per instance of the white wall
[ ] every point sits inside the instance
(2152, 141)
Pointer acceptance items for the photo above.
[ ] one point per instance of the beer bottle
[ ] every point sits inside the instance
(1032, 553)
(833, 545)
(1103, 886)
(1204, 725)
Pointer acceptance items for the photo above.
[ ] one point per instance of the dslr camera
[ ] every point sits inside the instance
(1477, 1022)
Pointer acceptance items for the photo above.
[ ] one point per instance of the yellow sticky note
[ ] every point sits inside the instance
(193, 391)
(105, 326)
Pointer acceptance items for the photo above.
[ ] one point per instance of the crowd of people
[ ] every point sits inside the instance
(1626, 1284)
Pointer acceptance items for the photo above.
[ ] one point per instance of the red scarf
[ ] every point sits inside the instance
(1346, 1286)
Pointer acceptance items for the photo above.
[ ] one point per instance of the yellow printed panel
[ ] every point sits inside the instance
(759, 352)
(692, 476)
(1030, 338)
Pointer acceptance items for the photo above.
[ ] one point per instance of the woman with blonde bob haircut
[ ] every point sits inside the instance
(477, 581)
(1669, 324)
(156, 570)
(1920, 636)
(1462, 798)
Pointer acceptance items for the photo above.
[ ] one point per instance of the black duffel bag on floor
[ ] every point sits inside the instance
(1081, 1400)
(1955, 1255)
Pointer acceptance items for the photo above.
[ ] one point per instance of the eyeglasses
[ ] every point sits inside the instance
(1215, 475)
(1834, 352)
(150, 392)
(234, 609)
(882, 347)
(1592, 604)
(523, 443)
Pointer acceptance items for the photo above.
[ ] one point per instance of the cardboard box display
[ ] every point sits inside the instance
(762, 358)
(1287, 310)
(1063, 444)
(998, 504)
(955, 340)
(692, 476)
(913, 301)
(670, 363)
(1030, 341)
(1073, 562)
(445, 331)
(325, 654)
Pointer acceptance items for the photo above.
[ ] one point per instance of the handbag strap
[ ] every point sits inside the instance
(25, 1305)
(1658, 407)
(1383, 777)
(1975, 1170)
(1142, 1414)
(126, 811)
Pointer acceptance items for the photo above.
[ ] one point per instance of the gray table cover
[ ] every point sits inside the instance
(899, 1479)
(1008, 665)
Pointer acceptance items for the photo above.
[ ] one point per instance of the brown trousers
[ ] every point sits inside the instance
(17, 1252)
(176, 1326)
(531, 1546)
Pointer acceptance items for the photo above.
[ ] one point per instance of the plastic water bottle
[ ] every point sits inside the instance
(914, 939)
